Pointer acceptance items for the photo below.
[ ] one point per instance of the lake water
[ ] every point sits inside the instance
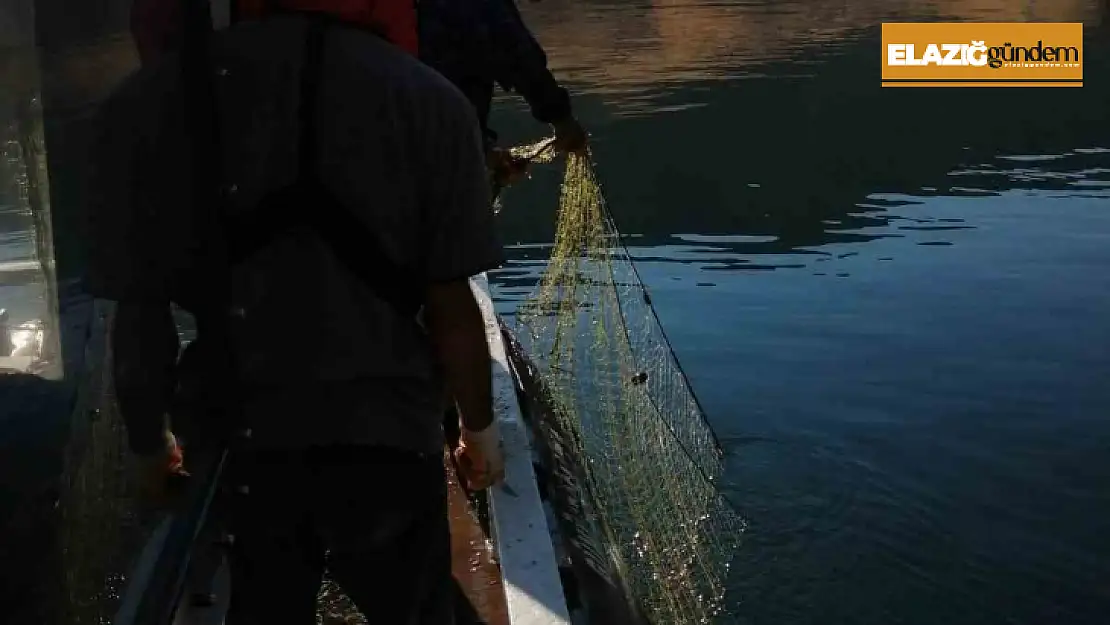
(893, 304)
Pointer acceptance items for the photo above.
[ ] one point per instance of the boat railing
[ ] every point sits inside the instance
(158, 577)
(529, 568)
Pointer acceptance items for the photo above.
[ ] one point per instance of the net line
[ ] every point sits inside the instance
(650, 459)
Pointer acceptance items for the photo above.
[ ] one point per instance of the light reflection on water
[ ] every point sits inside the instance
(641, 53)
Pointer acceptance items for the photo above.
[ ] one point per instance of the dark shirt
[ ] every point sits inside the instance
(477, 43)
(324, 359)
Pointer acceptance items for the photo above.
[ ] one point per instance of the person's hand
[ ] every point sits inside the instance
(505, 168)
(479, 457)
(158, 473)
(570, 136)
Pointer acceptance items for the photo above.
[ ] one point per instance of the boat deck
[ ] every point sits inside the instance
(480, 592)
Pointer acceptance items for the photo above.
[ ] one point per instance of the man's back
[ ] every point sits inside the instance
(325, 359)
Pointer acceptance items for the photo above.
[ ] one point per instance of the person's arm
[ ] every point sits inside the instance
(457, 328)
(521, 63)
(144, 357)
(462, 242)
(458, 331)
(144, 354)
(122, 268)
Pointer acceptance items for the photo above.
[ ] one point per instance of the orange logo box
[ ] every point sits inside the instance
(1019, 54)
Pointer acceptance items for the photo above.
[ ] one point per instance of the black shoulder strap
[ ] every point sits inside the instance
(307, 203)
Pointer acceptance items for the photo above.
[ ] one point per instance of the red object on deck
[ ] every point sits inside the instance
(156, 24)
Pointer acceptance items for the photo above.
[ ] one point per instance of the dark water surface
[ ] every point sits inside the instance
(893, 304)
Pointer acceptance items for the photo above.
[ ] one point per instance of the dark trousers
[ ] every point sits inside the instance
(375, 518)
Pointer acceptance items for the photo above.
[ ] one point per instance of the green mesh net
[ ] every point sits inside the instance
(648, 459)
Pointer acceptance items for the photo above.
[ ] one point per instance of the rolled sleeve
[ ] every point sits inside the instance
(455, 199)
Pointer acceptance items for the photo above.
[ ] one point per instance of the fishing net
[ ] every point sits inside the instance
(626, 417)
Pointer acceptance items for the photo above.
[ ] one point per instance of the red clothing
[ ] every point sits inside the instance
(395, 19)
(155, 27)
(156, 24)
